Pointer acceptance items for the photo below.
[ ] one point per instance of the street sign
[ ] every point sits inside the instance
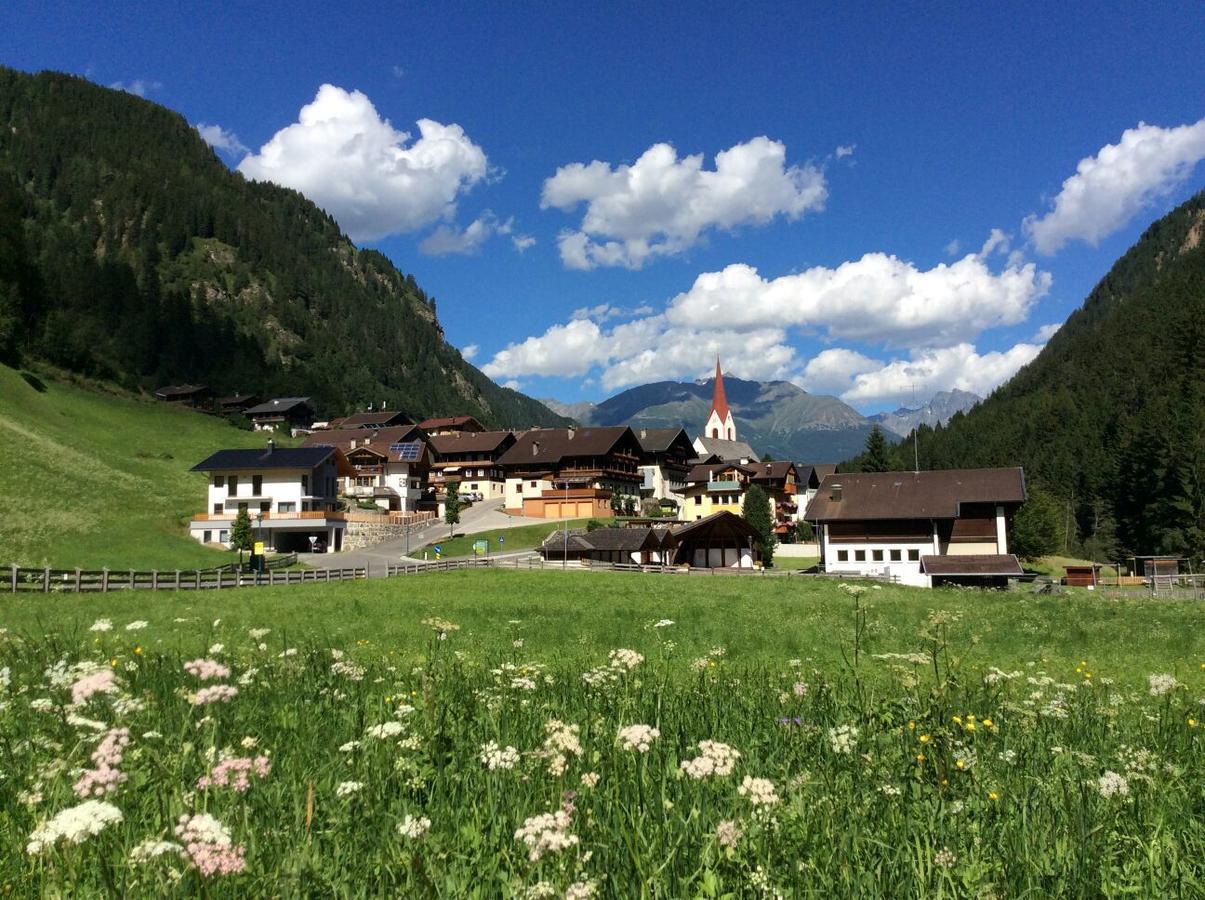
(258, 550)
(501, 540)
(438, 551)
(480, 547)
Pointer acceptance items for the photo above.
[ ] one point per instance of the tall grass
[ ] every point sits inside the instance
(903, 774)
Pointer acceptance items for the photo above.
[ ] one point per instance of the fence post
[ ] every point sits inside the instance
(328, 576)
(154, 579)
(46, 580)
(177, 579)
(197, 572)
(219, 579)
(14, 581)
(77, 581)
(104, 581)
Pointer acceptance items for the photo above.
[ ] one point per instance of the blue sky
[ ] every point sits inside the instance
(901, 204)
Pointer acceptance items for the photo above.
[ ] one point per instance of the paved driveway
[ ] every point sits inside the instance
(478, 518)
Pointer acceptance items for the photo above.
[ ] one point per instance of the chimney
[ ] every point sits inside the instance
(572, 432)
(835, 493)
(271, 445)
(644, 433)
(535, 448)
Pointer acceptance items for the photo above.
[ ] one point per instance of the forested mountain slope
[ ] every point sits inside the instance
(1110, 417)
(128, 251)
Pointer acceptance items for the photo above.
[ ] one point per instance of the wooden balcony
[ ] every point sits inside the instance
(302, 514)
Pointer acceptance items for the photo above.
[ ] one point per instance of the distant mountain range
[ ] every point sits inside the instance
(937, 411)
(775, 417)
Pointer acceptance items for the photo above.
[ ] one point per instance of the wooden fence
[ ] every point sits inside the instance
(47, 580)
(538, 562)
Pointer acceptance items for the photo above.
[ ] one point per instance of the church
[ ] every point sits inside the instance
(719, 439)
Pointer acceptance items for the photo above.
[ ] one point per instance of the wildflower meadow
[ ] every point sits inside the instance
(237, 760)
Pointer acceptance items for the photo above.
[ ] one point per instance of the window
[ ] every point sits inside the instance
(257, 485)
(860, 556)
(698, 499)
(208, 537)
(877, 555)
(895, 555)
(472, 487)
(233, 481)
(842, 556)
(265, 506)
(286, 507)
(533, 484)
(217, 509)
(305, 484)
(223, 537)
(914, 556)
(218, 481)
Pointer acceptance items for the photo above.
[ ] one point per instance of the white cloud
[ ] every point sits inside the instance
(523, 242)
(513, 385)
(996, 240)
(1111, 187)
(929, 371)
(219, 138)
(138, 87)
(876, 298)
(661, 205)
(1046, 332)
(447, 239)
(832, 371)
(953, 247)
(469, 351)
(565, 350)
(398, 72)
(845, 150)
(606, 311)
(342, 155)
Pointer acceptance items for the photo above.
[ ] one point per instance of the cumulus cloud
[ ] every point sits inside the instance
(832, 371)
(219, 138)
(605, 311)
(876, 298)
(1046, 332)
(845, 150)
(929, 371)
(469, 351)
(346, 158)
(522, 242)
(138, 87)
(1108, 189)
(448, 239)
(661, 205)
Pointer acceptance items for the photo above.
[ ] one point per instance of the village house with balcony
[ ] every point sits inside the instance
(290, 495)
(780, 480)
(665, 460)
(389, 465)
(291, 414)
(572, 472)
(920, 528)
(470, 458)
(450, 425)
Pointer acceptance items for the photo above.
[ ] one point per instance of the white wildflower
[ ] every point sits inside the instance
(137, 625)
(494, 757)
(347, 788)
(638, 738)
(152, 848)
(384, 730)
(760, 791)
(625, 659)
(843, 738)
(728, 833)
(546, 833)
(102, 625)
(413, 828)
(74, 825)
(1113, 785)
(1162, 684)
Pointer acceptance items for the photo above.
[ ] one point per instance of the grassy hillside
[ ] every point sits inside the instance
(92, 479)
(522, 537)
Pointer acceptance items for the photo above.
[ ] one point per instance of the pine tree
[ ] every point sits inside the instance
(452, 506)
(1036, 528)
(240, 533)
(756, 512)
(876, 459)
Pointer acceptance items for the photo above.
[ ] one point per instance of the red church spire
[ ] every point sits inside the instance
(719, 401)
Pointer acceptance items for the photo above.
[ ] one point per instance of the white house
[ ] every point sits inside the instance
(920, 528)
(290, 495)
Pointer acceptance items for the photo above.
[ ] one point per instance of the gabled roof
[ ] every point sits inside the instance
(708, 471)
(464, 423)
(279, 405)
(279, 458)
(181, 390)
(548, 446)
(984, 564)
(605, 539)
(344, 438)
(814, 474)
(378, 419)
(722, 522)
(470, 441)
(659, 440)
(719, 400)
(235, 399)
(913, 495)
(777, 470)
(726, 449)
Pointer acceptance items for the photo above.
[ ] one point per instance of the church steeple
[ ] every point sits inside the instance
(720, 423)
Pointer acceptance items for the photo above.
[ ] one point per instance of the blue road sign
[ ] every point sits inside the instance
(501, 539)
(439, 549)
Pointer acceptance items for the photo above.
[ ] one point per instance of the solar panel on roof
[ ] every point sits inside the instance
(408, 452)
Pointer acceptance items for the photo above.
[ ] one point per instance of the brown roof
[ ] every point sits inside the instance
(705, 472)
(727, 449)
(343, 437)
(376, 419)
(623, 539)
(547, 446)
(723, 522)
(469, 441)
(773, 471)
(913, 495)
(659, 440)
(972, 564)
(814, 474)
(450, 422)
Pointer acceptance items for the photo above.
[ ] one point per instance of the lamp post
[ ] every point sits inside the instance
(259, 528)
(565, 515)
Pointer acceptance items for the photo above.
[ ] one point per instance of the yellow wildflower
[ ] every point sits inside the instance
(113, 663)
(912, 726)
(960, 764)
(992, 795)
(920, 757)
(958, 720)
(970, 726)
(988, 723)
(924, 738)
(138, 651)
(1192, 723)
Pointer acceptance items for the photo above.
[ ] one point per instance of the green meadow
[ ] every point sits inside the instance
(96, 478)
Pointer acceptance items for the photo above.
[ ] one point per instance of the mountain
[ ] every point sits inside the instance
(1109, 419)
(581, 412)
(938, 411)
(774, 417)
(129, 252)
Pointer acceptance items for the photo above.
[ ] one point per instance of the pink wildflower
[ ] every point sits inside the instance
(206, 669)
(218, 693)
(99, 781)
(236, 773)
(112, 747)
(102, 681)
(209, 847)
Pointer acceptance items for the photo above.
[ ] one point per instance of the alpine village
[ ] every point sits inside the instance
(299, 598)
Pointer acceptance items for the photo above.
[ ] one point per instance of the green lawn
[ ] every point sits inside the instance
(1056, 566)
(94, 479)
(795, 562)
(574, 618)
(523, 537)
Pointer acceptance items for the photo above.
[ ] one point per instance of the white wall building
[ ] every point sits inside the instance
(289, 494)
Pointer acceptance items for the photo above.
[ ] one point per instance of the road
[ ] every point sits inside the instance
(478, 518)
